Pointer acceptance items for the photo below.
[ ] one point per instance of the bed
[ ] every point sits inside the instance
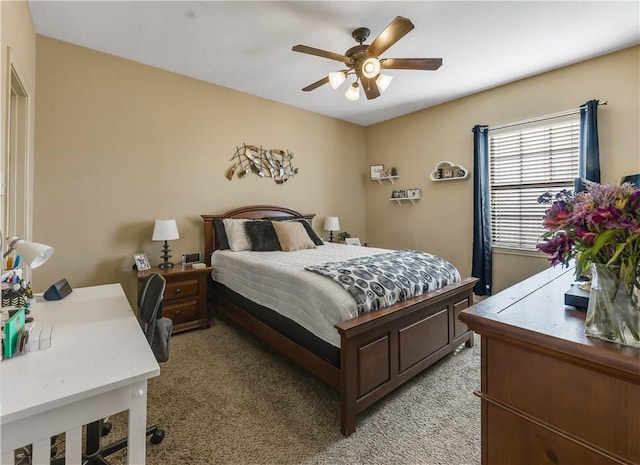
(378, 351)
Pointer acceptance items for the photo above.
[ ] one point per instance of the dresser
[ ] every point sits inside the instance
(185, 297)
(550, 394)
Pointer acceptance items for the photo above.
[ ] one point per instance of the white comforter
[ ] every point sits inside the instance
(278, 280)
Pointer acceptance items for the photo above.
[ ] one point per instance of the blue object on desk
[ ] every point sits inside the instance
(58, 290)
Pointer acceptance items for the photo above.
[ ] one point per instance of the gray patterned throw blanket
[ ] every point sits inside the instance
(381, 280)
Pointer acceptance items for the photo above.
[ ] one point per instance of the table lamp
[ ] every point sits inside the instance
(331, 224)
(31, 253)
(165, 230)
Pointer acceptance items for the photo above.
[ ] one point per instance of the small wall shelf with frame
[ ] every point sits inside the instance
(449, 171)
(406, 195)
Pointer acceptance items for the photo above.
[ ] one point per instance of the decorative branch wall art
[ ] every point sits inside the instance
(273, 163)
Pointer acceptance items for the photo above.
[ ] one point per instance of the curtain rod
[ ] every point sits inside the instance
(540, 118)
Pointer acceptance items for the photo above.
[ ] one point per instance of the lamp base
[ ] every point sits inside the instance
(165, 256)
(330, 236)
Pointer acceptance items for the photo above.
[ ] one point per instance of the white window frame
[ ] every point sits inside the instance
(526, 160)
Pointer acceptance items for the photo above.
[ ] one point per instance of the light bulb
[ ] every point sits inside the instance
(353, 92)
(370, 67)
(383, 81)
(337, 78)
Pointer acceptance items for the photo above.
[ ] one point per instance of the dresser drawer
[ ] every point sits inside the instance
(569, 397)
(181, 289)
(181, 311)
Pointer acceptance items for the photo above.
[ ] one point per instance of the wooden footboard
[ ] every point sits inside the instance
(379, 350)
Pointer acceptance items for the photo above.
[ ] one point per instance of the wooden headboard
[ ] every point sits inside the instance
(251, 211)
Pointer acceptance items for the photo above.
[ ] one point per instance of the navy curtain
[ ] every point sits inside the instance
(589, 160)
(481, 265)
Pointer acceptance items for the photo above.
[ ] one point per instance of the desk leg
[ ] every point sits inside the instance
(136, 448)
(73, 446)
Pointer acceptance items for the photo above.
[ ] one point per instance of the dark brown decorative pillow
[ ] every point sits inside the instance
(262, 236)
(222, 243)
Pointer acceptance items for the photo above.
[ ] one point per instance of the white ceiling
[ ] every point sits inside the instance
(247, 45)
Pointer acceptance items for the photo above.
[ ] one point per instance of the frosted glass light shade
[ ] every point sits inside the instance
(353, 92)
(337, 78)
(331, 223)
(165, 230)
(370, 67)
(383, 81)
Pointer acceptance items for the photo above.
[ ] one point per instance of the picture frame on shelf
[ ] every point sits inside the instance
(352, 241)
(377, 171)
(141, 261)
(447, 173)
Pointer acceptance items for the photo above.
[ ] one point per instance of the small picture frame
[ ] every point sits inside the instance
(352, 241)
(142, 262)
(448, 173)
(377, 171)
(190, 258)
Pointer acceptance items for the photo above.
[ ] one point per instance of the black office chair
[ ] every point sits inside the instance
(157, 330)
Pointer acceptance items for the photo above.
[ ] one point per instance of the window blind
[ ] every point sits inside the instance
(524, 163)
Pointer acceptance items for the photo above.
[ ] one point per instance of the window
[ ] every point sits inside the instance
(524, 163)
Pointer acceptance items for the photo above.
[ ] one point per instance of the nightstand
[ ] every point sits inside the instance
(185, 297)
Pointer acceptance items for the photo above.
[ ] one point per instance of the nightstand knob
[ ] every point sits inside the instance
(178, 291)
(177, 313)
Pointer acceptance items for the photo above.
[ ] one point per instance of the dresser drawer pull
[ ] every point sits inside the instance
(177, 313)
(177, 291)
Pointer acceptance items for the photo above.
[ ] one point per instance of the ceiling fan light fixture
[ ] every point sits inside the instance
(353, 92)
(383, 81)
(370, 67)
(337, 78)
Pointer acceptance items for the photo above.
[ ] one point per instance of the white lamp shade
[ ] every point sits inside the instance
(353, 92)
(165, 230)
(370, 67)
(331, 223)
(383, 81)
(31, 253)
(337, 78)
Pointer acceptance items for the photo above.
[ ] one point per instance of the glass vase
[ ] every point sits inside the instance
(613, 312)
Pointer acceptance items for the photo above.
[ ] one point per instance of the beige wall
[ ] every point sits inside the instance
(120, 144)
(442, 221)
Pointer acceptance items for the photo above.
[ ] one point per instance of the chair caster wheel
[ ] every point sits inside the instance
(106, 428)
(157, 437)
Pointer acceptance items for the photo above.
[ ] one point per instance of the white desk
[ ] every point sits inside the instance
(98, 364)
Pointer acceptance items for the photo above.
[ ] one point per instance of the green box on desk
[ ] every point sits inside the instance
(12, 330)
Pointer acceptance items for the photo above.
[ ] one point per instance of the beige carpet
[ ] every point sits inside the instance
(225, 398)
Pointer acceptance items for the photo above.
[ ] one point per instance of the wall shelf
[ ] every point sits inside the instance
(391, 179)
(449, 171)
(406, 195)
(399, 200)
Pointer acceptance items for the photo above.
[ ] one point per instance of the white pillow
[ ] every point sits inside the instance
(236, 234)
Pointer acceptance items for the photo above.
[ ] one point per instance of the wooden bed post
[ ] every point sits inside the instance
(348, 386)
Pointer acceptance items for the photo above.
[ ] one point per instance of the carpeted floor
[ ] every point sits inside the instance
(225, 398)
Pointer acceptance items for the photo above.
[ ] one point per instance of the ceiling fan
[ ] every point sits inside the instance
(363, 62)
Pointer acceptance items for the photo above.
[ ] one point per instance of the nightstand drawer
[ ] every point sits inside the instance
(181, 312)
(181, 289)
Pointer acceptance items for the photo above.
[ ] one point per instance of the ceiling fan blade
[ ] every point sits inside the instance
(316, 84)
(395, 31)
(318, 52)
(411, 63)
(370, 87)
